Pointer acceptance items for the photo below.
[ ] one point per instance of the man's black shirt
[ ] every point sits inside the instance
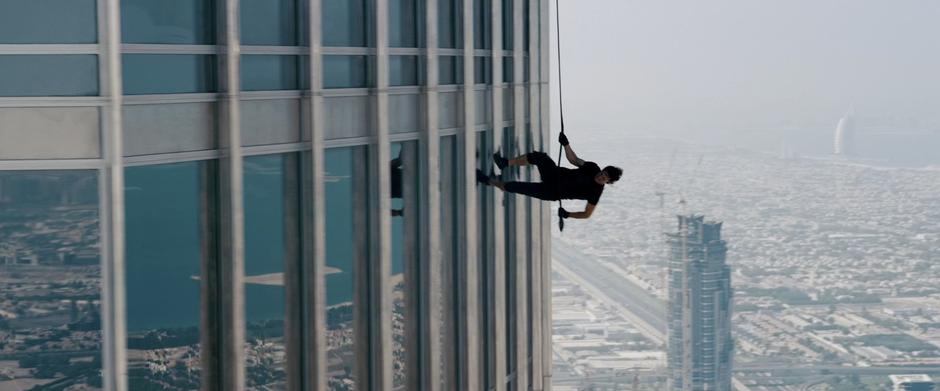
(579, 184)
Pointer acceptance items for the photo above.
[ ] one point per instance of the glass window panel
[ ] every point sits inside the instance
(449, 296)
(49, 75)
(508, 71)
(168, 21)
(269, 73)
(403, 70)
(169, 73)
(525, 69)
(48, 21)
(485, 268)
(50, 328)
(346, 193)
(345, 23)
(525, 25)
(481, 24)
(451, 70)
(482, 70)
(405, 214)
(403, 23)
(269, 22)
(271, 240)
(346, 72)
(508, 30)
(450, 23)
(163, 275)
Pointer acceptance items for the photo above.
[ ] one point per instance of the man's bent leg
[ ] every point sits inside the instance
(531, 189)
(545, 164)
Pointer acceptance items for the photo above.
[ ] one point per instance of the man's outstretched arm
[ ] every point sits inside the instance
(588, 210)
(572, 158)
(569, 153)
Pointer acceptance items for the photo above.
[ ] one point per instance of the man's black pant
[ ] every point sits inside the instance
(547, 189)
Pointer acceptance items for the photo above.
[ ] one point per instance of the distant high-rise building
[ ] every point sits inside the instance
(844, 143)
(699, 317)
(912, 383)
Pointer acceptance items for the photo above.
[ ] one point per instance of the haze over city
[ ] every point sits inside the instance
(810, 130)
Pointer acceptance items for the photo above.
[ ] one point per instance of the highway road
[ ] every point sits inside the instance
(633, 298)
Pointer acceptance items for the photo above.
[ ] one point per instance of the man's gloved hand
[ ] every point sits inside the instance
(563, 213)
(562, 139)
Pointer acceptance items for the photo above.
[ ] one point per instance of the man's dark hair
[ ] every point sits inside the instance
(613, 173)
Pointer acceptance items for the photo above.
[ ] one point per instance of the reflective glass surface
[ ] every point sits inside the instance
(50, 274)
(449, 296)
(163, 275)
(403, 20)
(48, 75)
(346, 72)
(508, 30)
(482, 70)
(269, 72)
(48, 21)
(346, 198)
(525, 25)
(403, 71)
(481, 24)
(169, 73)
(487, 349)
(450, 70)
(508, 71)
(271, 241)
(269, 22)
(525, 69)
(405, 215)
(345, 23)
(168, 21)
(450, 23)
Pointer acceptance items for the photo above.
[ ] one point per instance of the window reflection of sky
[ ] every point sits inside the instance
(163, 239)
(339, 225)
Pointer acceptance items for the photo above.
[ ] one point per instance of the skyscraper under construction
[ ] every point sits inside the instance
(699, 314)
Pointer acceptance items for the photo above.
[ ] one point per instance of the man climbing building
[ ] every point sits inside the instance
(584, 183)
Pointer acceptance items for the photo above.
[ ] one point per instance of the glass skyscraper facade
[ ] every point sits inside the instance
(271, 195)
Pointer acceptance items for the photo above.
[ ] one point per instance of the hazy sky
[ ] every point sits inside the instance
(655, 65)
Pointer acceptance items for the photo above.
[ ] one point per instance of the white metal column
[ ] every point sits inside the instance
(111, 187)
(232, 212)
(521, 235)
(379, 153)
(547, 226)
(430, 285)
(535, 126)
(498, 210)
(469, 371)
(314, 280)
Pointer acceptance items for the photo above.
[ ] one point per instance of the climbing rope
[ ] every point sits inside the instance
(561, 105)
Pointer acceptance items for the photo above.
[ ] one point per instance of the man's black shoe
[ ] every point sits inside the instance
(482, 178)
(500, 161)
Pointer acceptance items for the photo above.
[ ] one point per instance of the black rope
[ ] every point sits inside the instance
(561, 105)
